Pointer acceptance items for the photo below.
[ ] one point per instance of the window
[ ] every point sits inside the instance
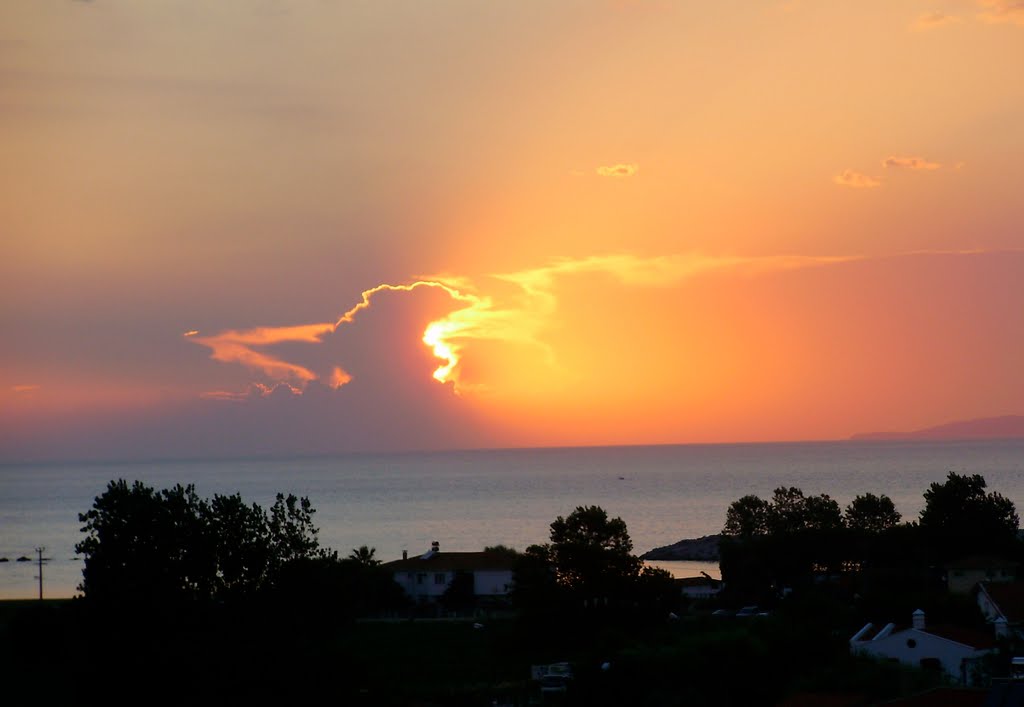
(439, 578)
(421, 578)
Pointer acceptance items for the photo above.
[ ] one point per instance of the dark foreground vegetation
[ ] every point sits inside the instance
(193, 601)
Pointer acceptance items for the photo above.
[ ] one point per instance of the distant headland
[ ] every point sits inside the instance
(704, 549)
(1004, 427)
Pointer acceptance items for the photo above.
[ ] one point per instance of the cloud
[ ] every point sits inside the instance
(339, 377)
(933, 20)
(856, 180)
(24, 388)
(618, 170)
(1002, 11)
(520, 316)
(915, 163)
(233, 346)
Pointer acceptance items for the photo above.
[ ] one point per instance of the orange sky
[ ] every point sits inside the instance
(644, 222)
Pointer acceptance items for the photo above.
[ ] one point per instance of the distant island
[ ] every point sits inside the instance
(703, 549)
(1006, 426)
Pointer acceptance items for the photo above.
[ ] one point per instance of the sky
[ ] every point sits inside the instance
(279, 227)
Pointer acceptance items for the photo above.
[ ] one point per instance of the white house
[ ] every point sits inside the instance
(426, 578)
(952, 649)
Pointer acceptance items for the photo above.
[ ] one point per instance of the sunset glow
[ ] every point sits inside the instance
(507, 224)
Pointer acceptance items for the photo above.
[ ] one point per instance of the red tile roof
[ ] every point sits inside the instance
(453, 561)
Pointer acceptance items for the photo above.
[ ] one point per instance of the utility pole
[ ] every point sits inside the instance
(39, 551)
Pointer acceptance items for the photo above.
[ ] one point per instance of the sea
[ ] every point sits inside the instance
(466, 500)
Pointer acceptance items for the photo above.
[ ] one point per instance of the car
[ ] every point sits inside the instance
(748, 611)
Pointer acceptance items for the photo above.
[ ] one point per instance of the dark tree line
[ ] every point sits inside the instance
(792, 538)
(172, 546)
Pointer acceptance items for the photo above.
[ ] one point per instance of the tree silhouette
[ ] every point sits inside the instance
(961, 518)
(871, 514)
(589, 552)
(364, 555)
(173, 545)
(748, 517)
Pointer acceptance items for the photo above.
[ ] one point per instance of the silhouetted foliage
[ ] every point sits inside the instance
(960, 505)
(796, 540)
(747, 517)
(364, 555)
(792, 512)
(872, 514)
(789, 511)
(591, 552)
(503, 550)
(589, 563)
(173, 545)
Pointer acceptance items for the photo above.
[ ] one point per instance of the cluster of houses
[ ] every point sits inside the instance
(958, 651)
(425, 578)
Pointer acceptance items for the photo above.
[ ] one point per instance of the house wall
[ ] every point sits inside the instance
(429, 588)
(962, 581)
(925, 645)
(424, 585)
(492, 582)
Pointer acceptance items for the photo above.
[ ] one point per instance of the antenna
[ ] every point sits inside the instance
(39, 551)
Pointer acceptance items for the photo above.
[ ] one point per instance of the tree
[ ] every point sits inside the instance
(141, 542)
(872, 514)
(792, 512)
(589, 558)
(173, 545)
(748, 517)
(364, 555)
(592, 552)
(960, 507)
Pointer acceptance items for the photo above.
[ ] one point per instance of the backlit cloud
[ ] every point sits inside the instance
(910, 163)
(856, 180)
(520, 317)
(995, 11)
(618, 170)
(933, 20)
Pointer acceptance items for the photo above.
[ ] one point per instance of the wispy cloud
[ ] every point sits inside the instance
(233, 346)
(999, 11)
(618, 170)
(24, 388)
(933, 20)
(915, 163)
(856, 180)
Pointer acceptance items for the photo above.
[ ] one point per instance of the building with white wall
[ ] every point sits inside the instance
(425, 578)
(954, 650)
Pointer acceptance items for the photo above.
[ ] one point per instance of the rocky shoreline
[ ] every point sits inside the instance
(703, 549)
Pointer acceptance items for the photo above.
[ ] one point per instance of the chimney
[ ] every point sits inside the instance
(435, 546)
(405, 554)
(918, 620)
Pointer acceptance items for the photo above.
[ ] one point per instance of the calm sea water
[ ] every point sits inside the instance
(466, 500)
